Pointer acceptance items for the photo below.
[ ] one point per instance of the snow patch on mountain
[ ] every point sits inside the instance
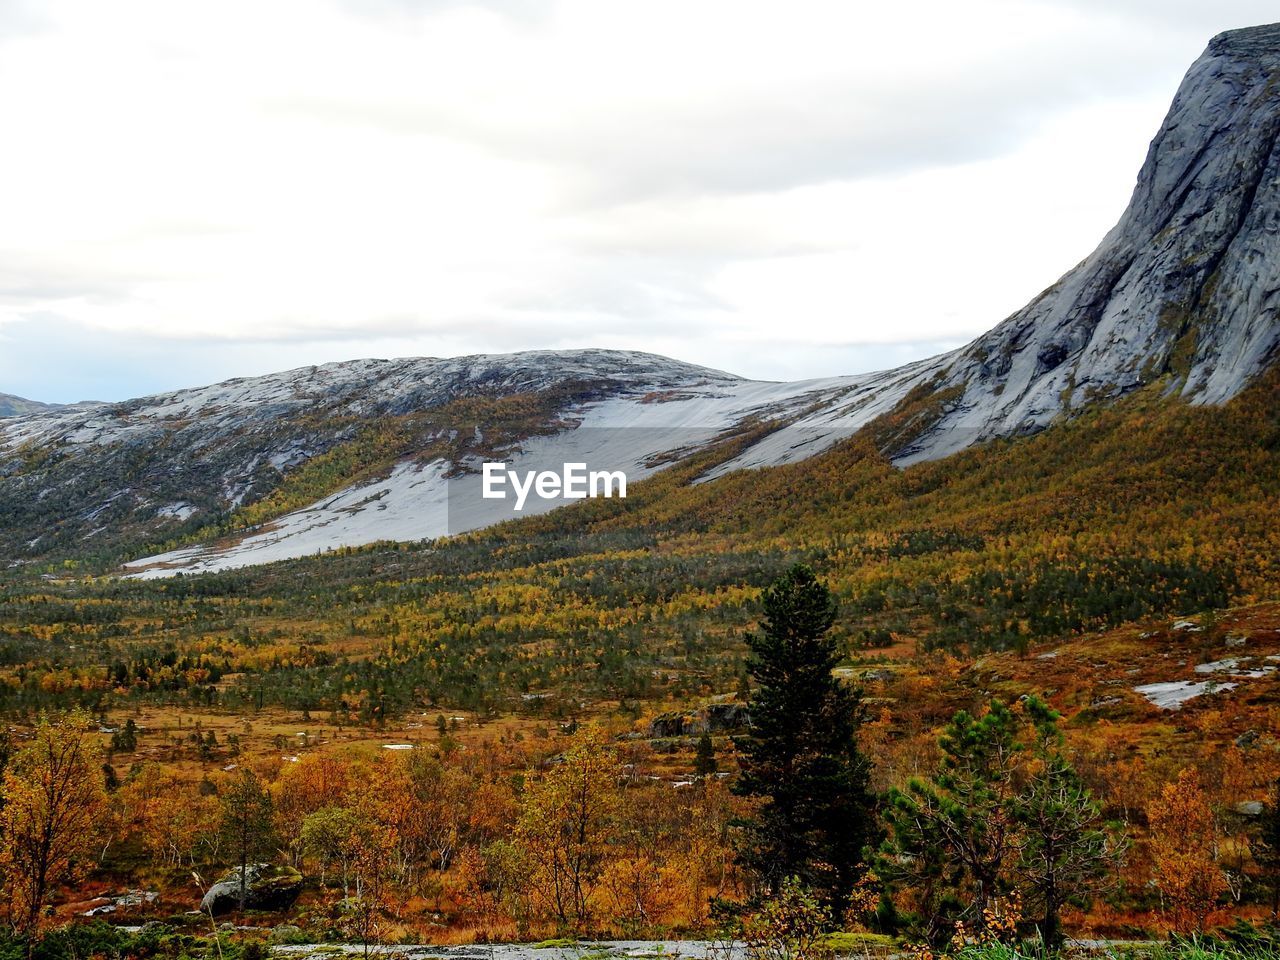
(1174, 693)
(639, 433)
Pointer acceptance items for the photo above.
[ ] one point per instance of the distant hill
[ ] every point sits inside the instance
(11, 406)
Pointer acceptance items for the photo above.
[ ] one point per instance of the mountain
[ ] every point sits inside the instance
(1181, 293)
(365, 449)
(1184, 286)
(11, 406)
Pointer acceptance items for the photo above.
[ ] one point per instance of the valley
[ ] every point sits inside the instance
(1047, 571)
(971, 657)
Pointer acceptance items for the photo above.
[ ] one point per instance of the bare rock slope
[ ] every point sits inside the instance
(1186, 284)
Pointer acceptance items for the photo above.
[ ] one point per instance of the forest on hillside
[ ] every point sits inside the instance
(400, 732)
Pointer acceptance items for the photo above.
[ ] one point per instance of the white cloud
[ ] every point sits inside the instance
(771, 188)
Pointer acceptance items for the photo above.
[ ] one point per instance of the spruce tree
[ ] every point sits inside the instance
(800, 757)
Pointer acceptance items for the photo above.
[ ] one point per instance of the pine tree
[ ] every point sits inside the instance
(126, 740)
(957, 830)
(917, 857)
(1063, 850)
(1005, 812)
(801, 757)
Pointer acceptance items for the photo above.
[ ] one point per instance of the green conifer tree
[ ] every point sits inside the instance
(956, 831)
(1063, 849)
(800, 757)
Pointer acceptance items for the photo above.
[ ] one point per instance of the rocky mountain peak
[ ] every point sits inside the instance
(1185, 285)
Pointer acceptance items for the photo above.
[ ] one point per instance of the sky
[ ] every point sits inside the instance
(193, 191)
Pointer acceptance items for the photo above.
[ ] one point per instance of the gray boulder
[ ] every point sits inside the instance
(725, 717)
(266, 888)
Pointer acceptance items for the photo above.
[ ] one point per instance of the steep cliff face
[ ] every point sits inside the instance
(1186, 284)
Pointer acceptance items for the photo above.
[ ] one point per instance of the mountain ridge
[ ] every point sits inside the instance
(1183, 290)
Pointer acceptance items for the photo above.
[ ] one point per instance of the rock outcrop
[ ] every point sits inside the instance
(266, 888)
(714, 718)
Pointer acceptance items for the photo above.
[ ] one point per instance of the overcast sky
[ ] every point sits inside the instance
(194, 191)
